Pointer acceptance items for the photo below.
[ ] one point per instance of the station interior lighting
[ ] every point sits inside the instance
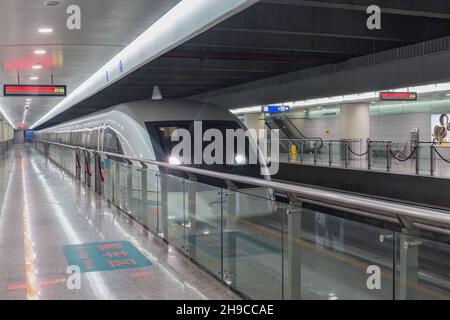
(430, 88)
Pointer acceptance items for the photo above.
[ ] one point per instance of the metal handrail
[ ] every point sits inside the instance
(357, 204)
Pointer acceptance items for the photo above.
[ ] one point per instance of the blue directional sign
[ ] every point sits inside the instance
(275, 109)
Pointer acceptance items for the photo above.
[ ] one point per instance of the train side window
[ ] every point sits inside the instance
(111, 142)
(93, 139)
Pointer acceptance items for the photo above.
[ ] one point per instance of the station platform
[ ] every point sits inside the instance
(441, 168)
(46, 216)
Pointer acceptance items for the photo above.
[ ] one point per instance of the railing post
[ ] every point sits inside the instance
(408, 266)
(294, 250)
(432, 160)
(77, 164)
(330, 153)
(129, 207)
(117, 194)
(192, 215)
(315, 152)
(163, 225)
(369, 155)
(302, 150)
(346, 151)
(144, 191)
(417, 159)
(98, 174)
(88, 171)
(388, 158)
(229, 272)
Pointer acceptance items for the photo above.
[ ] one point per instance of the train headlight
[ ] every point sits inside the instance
(174, 161)
(239, 159)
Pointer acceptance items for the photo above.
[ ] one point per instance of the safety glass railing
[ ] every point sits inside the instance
(422, 158)
(311, 246)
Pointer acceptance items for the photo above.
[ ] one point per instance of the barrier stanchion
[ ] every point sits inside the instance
(330, 153)
(417, 159)
(315, 152)
(432, 160)
(388, 158)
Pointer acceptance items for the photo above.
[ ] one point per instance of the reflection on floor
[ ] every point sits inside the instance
(48, 221)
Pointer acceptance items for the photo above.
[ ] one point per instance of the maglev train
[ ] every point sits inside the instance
(143, 129)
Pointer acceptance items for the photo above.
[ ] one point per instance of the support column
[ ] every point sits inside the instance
(18, 136)
(254, 121)
(3, 140)
(355, 125)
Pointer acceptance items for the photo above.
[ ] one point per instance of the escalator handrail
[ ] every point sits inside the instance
(284, 128)
(310, 138)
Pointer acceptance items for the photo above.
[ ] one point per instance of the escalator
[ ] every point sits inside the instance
(289, 133)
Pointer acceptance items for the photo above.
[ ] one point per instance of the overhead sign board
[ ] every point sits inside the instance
(275, 109)
(398, 96)
(34, 90)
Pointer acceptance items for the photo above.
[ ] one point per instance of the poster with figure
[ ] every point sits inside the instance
(440, 128)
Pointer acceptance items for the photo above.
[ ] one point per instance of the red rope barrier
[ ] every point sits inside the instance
(358, 154)
(406, 159)
(440, 156)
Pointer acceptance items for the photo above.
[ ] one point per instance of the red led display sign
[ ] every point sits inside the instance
(398, 96)
(34, 90)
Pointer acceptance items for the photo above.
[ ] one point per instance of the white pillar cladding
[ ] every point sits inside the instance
(355, 125)
(183, 22)
(254, 121)
(3, 132)
(355, 121)
(18, 136)
(10, 132)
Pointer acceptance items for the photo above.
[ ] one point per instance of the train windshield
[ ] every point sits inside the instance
(162, 133)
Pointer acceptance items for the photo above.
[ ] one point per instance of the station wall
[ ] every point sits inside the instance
(395, 127)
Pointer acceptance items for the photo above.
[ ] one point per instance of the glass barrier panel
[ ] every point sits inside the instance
(91, 171)
(108, 185)
(136, 193)
(151, 202)
(173, 207)
(252, 243)
(330, 258)
(424, 159)
(442, 160)
(203, 225)
(378, 155)
(422, 269)
(116, 185)
(125, 186)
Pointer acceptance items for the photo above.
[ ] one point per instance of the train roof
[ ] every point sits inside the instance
(156, 110)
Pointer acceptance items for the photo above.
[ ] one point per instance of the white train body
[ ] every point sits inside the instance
(125, 129)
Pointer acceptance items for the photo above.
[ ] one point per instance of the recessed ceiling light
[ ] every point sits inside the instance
(39, 52)
(34, 78)
(28, 99)
(52, 3)
(45, 30)
(37, 66)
